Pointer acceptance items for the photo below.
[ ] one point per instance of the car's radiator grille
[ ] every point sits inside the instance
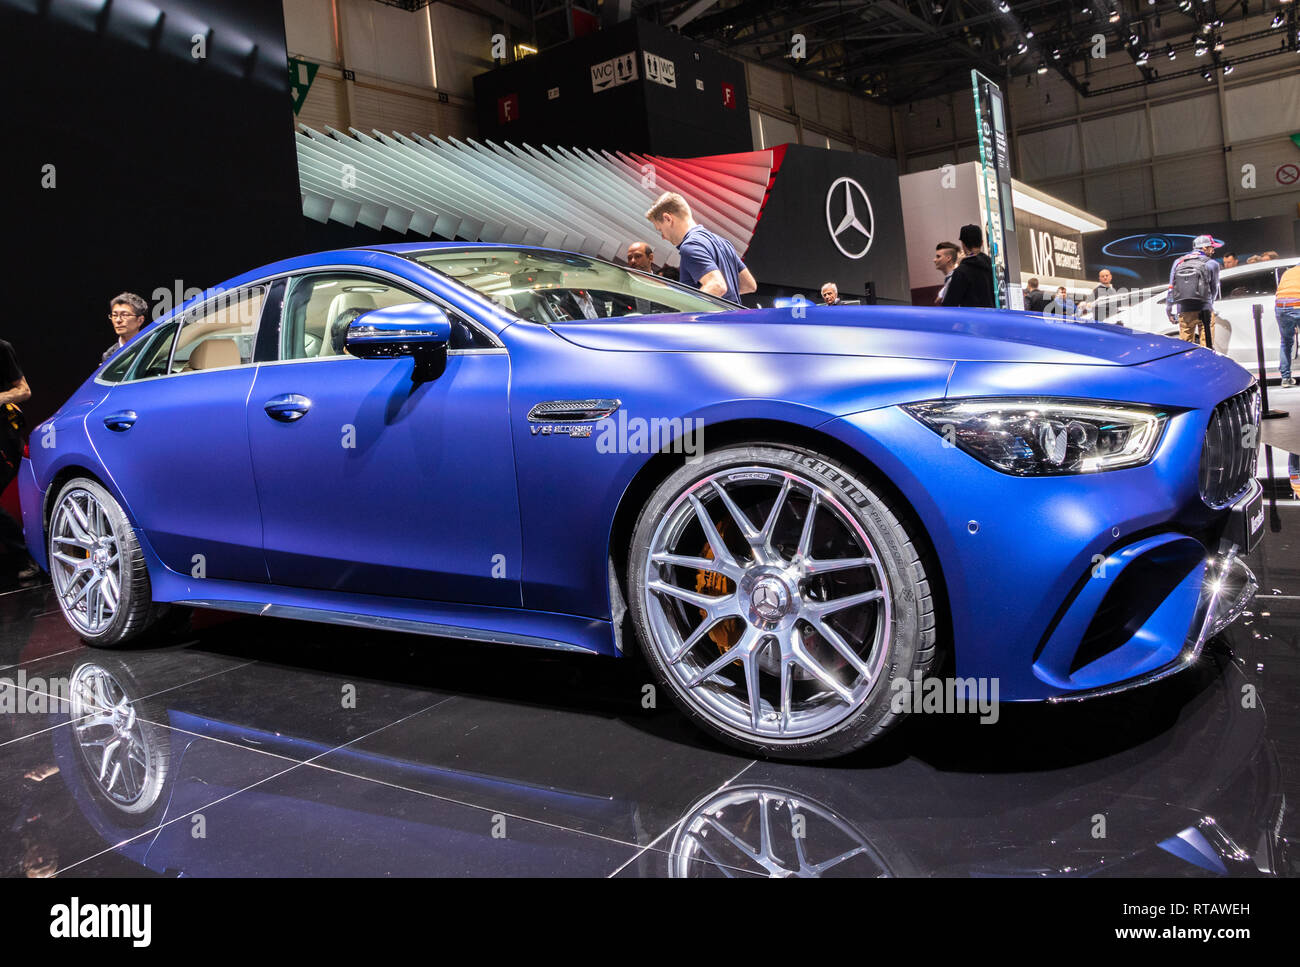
(1230, 448)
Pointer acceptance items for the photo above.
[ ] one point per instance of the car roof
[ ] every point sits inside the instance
(1243, 268)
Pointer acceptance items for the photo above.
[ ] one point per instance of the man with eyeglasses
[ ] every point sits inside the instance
(127, 312)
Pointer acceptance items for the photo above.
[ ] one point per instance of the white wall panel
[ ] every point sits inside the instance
(777, 131)
(309, 30)
(1050, 153)
(805, 99)
(1186, 124)
(767, 86)
(1189, 181)
(1115, 140)
(462, 47)
(833, 108)
(1260, 207)
(928, 162)
(1190, 216)
(1269, 107)
(387, 42)
(1120, 194)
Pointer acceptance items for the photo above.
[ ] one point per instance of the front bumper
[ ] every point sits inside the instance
(1072, 585)
(1227, 588)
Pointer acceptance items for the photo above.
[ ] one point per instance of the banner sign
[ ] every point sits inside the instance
(1000, 226)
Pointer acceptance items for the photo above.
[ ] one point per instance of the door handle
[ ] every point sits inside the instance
(120, 422)
(287, 408)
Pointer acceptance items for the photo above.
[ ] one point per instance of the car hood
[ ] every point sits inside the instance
(978, 335)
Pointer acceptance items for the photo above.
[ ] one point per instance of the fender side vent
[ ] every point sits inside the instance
(572, 411)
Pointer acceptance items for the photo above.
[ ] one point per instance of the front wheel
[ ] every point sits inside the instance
(99, 572)
(777, 596)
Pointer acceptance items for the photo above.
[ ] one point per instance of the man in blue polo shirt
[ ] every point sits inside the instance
(709, 261)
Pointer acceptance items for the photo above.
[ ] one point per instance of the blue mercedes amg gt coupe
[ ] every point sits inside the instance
(794, 514)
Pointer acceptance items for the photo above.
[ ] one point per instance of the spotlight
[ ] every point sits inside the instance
(1004, 6)
(1218, 44)
(1142, 58)
(1227, 67)
(1277, 21)
(1029, 33)
(1042, 67)
(1206, 28)
(1173, 54)
(1201, 49)
(1207, 75)
(1021, 47)
(1185, 5)
(1085, 10)
(1133, 40)
(1114, 17)
(1056, 54)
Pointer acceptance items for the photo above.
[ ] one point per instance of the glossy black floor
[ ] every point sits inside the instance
(277, 748)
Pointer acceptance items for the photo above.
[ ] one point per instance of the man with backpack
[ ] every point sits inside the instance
(1193, 287)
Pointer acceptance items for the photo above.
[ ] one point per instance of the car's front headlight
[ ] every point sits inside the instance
(1037, 437)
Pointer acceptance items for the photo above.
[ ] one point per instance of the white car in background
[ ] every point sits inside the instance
(1242, 287)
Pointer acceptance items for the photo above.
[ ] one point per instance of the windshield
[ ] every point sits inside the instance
(548, 286)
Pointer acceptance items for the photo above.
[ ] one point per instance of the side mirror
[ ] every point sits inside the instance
(420, 330)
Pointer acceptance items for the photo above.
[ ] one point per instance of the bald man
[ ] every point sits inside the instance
(641, 257)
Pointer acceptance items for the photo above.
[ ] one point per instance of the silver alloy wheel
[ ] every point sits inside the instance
(109, 734)
(799, 674)
(772, 832)
(85, 562)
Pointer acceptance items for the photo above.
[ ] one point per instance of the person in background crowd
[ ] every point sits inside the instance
(1193, 287)
(1102, 290)
(640, 256)
(1268, 256)
(1230, 261)
(972, 281)
(1035, 298)
(1253, 259)
(127, 312)
(13, 390)
(709, 262)
(946, 257)
(830, 294)
(1286, 308)
(670, 273)
(1062, 305)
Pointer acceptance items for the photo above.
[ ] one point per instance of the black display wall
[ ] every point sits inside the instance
(169, 171)
(1139, 258)
(634, 86)
(795, 244)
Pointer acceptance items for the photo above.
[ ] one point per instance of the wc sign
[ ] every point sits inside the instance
(660, 70)
(613, 72)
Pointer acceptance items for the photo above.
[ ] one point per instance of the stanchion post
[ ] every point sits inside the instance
(1257, 311)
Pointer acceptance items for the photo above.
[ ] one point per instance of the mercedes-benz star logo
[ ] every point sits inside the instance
(849, 219)
(766, 601)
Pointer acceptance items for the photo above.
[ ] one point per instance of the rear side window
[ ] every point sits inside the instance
(221, 333)
(122, 362)
(151, 360)
(1251, 284)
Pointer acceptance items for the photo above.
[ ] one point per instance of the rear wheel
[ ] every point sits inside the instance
(98, 569)
(777, 596)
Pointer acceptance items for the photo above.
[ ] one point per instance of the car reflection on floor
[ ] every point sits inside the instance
(267, 748)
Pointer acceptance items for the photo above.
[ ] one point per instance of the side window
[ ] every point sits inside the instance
(319, 308)
(154, 354)
(220, 333)
(117, 369)
(1252, 284)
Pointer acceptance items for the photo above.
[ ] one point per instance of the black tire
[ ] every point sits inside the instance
(137, 618)
(909, 641)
